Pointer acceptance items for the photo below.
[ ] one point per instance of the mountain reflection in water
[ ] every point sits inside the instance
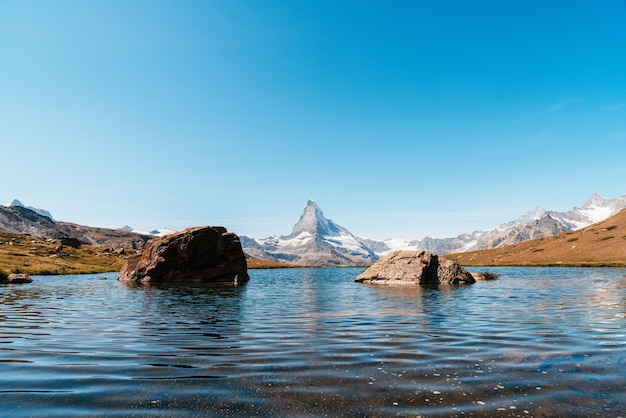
(309, 342)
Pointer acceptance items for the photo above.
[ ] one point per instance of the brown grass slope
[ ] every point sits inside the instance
(600, 244)
(255, 263)
(32, 255)
(21, 253)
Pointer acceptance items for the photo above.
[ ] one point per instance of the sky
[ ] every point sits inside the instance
(401, 119)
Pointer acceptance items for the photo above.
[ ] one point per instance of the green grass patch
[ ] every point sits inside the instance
(572, 239)
(606, 238)
(612, 227)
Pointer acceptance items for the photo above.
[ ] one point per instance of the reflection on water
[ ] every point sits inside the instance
(311, 342)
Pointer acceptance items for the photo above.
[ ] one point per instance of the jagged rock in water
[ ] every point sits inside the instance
(417, 267)
(200, 254)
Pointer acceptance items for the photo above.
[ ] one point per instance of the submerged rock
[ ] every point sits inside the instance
(417, 267)
(16, 278)
(200, 254)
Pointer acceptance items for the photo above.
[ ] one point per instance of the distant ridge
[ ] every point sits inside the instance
(42, 212)
(18, 219)
(600, 244)
(535, 223)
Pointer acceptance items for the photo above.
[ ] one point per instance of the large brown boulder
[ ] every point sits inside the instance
(200, 254)
(416, 267)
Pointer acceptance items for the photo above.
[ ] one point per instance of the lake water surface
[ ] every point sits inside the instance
(538, 342)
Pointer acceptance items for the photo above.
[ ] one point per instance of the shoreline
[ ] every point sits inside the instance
(573, 265)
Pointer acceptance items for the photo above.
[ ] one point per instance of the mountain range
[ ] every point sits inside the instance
(535, 223)
(599, 244)
(318, 241)
(19, 219)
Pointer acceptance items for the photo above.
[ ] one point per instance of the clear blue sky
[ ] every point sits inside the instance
(400, 118)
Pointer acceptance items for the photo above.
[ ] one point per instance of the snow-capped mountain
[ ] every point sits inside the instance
(535, 223)
(314, 241)
(160, 232)
(539, 223)
(597, 208)
(525, 219)
(42, 212)
(437, 245)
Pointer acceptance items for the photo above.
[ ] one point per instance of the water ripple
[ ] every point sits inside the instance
(311, 342)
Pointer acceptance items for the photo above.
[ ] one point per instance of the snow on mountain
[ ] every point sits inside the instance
(161, 232)
(597, 208)
(539, 223)
(388, 245)
(314, 241)
(535, 223)
(400, 244)
(526, 218)
(42, 212)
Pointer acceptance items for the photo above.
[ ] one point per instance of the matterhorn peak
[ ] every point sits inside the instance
(314, 241)
(312, 221)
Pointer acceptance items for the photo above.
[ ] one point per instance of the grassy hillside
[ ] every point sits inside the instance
(601, 244)
(32, 255)
(255, 263)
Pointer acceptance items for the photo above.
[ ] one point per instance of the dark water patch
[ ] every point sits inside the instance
(179, 366)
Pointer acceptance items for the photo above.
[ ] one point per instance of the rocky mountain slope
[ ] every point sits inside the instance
(42, 212)
(536, 223)
(16, 219)
(600, 244)
(314, 241)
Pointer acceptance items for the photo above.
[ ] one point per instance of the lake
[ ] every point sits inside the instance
(542, 342)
